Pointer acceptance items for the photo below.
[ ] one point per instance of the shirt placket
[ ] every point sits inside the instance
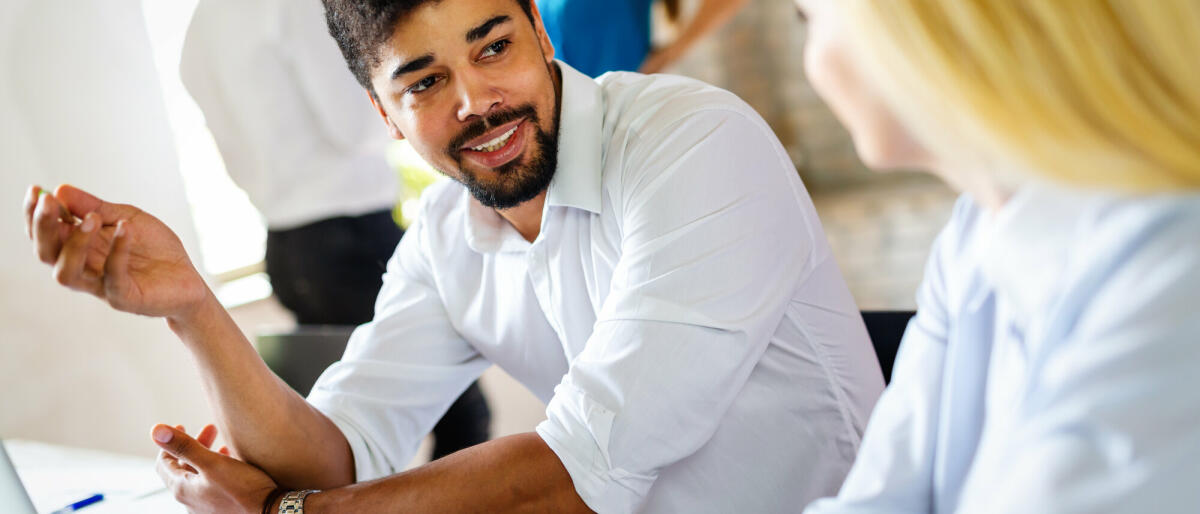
(539, 275)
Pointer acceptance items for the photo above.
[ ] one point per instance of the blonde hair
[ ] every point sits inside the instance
(1094, 93)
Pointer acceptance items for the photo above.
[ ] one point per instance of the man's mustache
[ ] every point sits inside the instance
(480, 126)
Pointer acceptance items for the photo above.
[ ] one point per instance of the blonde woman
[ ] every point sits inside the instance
(1051, 365)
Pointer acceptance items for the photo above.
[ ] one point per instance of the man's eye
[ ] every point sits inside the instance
(423, 84)
(496, 48)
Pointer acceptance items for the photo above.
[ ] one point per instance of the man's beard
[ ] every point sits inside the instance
(518, 182)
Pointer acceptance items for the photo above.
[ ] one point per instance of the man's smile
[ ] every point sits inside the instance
(499, 146)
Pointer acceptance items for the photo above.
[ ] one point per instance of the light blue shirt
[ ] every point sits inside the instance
(1051, 365)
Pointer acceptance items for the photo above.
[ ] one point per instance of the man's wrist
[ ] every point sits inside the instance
(271, 503)
(293, 502)
(195, 315)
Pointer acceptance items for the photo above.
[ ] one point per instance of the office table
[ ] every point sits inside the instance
(56, 476)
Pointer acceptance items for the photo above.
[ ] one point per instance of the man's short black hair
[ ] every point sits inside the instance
(361, 27)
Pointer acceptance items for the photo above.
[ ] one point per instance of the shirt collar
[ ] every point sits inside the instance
(487, 231)
(577, 179)
(1031, 243)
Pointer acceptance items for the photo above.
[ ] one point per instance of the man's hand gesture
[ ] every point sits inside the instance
(208, 481)
(117, 252)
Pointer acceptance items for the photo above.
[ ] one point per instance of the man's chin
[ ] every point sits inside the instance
(500, 199)
(494, 177)
(516, 181)
(510, 188)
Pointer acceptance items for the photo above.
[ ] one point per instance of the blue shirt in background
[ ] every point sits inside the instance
(598, 36)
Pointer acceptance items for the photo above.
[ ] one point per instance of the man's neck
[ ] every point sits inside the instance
(526, 217)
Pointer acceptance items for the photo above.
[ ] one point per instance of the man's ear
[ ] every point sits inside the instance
(393, 130)
(540, 30)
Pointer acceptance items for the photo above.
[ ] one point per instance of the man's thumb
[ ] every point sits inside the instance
(180, 445)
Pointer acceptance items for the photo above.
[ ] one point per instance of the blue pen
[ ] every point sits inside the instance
(95, 498)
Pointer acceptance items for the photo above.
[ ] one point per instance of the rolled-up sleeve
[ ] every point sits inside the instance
(715, 242)
(401, 371)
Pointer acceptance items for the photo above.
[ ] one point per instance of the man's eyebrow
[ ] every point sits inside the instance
(482, 30)
(416, 64)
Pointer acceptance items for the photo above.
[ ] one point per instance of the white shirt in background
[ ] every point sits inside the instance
(680, 311)
(1050, 368)
(295, 130)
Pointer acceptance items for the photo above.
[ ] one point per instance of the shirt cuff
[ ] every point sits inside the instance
(577, 431)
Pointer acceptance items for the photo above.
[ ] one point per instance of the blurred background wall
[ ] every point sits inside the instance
(80, 103)
(759, 56)
(880, 225)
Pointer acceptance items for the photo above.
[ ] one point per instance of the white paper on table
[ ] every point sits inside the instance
(57, 476)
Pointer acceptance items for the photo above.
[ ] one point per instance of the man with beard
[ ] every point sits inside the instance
(615, 245)
(312, 161)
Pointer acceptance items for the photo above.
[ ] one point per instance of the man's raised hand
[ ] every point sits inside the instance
(116, 252)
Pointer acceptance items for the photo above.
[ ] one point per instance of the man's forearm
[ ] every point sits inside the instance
(517, 473)
(265, 422)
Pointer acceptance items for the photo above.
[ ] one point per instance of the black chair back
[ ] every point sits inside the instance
(886, 329)
(300, 356)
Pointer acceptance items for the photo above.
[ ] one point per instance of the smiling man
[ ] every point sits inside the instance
(637, 250)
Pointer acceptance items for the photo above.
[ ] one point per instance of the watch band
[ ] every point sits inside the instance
(293, 501)
(269, 503)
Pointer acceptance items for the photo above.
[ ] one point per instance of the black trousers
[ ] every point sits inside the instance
(330, 272)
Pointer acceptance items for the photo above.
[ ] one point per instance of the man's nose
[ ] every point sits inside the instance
(476, 95)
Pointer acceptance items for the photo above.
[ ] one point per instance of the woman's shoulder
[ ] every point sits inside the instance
(1141, 248)
(1128, 270)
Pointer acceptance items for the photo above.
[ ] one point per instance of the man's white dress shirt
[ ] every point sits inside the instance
(295, 130)
(1050, 366)
(680, 312)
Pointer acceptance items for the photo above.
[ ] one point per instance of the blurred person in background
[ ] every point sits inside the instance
(1049, 363)
(298, 136)
(596, 36)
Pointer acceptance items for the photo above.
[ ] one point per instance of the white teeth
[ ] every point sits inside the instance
(495, 144)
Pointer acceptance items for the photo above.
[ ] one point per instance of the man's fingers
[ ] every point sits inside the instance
(116, 267)
(167, 464)
(169, 469)
(47, 222)
(70, 270)
(175, 462)
(31, 200)
(80, 202)
(207, 435)
(77, 200)
(181, 446)
(176, 475)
